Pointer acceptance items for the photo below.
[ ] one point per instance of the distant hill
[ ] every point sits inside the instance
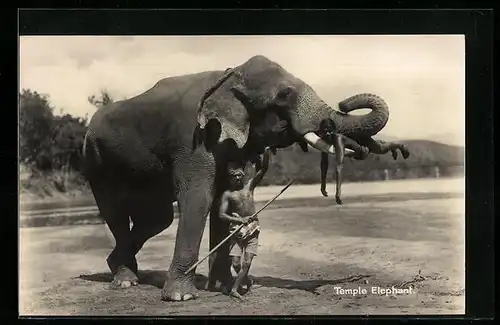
(448, 138)
(444, 138)
(387, 138)
(425, 156)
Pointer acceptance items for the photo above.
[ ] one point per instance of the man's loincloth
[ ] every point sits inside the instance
(246, 240)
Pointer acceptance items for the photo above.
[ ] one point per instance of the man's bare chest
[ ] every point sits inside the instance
(242, 202)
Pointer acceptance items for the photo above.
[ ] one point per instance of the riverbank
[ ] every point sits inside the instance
(82, 210)
(75, 198)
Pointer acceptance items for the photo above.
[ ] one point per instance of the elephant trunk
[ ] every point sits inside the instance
(307, 117)
(366, 125)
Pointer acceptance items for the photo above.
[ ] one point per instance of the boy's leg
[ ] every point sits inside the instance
(250, 252)
(235, 257)
(242, 275)
(235, 252)
(236, 261)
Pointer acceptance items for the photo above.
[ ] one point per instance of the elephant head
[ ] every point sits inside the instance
(258, 92)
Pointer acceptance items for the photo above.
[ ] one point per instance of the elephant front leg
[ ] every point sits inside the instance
(219, 261)
(194, 204)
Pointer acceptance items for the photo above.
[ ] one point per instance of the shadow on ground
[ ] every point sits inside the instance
(157, 279)
(306, 285)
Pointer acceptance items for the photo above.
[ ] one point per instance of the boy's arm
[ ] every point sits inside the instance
(261, 172)
(223, 208)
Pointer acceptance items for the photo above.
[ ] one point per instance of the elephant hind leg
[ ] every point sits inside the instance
(152, 213)
(112, 208)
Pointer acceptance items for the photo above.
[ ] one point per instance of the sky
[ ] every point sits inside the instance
(421, 77)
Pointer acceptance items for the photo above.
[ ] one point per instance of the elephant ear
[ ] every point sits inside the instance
(222, 103)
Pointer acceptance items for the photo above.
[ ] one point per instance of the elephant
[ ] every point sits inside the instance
(173, 143)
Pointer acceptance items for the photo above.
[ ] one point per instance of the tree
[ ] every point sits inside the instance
(103, 99)
(48, 142)
(35, 125)
(68, 133)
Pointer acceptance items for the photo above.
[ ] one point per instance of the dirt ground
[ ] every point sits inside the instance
(307, 255)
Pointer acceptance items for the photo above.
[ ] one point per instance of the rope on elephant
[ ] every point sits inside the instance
(240, 226)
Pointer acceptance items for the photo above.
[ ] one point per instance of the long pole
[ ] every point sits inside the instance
(239, 227)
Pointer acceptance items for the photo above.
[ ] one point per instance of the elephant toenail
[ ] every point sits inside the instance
(176, 296)
(134, 283)
(187, 296)
(125, 284)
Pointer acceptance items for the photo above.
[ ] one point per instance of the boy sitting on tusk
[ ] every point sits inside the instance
(237, 206)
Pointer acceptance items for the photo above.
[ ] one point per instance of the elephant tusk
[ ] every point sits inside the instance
(319, 144)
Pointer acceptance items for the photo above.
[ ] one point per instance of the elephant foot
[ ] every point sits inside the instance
(124, 278)
(114, 264)
(209, 286)
(218, 286)
(226, 288)
(179, 289)
(221, 280)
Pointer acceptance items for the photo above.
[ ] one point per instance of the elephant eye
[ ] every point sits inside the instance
(285, 92)
(281, 112)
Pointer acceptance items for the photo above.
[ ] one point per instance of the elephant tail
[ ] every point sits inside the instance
(90, 150)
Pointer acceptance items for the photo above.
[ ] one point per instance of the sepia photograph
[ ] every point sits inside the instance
(241, 175)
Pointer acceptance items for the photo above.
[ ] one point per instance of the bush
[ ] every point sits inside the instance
(35, 126)
(48, 142)
(67, 141)
(51, 184)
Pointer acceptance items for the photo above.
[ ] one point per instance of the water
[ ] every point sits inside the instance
(455, 185)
